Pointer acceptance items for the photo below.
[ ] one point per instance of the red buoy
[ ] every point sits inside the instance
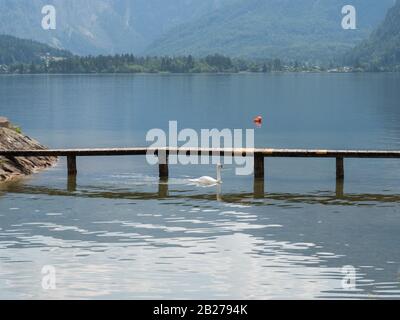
(258, 120)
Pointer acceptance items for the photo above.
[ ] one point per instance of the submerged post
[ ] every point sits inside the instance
(71, 164)
(163, 190)
(163, 165)
(259, 166)
(339, 188)
(71, 184)
(259, 189)
(339, 168)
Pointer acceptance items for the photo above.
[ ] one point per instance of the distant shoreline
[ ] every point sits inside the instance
(130, 64)
(196, 73)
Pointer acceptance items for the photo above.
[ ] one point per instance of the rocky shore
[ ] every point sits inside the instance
(12, 139)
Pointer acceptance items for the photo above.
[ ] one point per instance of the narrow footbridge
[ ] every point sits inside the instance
(163, 153)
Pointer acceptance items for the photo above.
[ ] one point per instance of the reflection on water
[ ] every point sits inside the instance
(194, 243)
(117, 232)
(256, 198)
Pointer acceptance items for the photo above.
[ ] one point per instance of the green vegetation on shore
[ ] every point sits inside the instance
(129, 63)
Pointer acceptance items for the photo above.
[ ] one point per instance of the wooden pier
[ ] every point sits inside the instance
(258, 154)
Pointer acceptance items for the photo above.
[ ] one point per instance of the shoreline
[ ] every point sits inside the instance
(197, 73)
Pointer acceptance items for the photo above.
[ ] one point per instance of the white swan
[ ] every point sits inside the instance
(208, 181)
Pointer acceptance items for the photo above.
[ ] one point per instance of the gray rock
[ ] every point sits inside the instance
(11, 167)
(4, 123)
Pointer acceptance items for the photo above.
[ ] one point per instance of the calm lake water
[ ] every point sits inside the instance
(121, 234)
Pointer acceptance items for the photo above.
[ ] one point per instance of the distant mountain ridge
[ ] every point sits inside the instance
(101, 26)
(382, 50)
(287, 29)
(307, 30)
(14, 50)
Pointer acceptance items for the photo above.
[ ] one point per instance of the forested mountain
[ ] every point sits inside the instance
(17, 51)
(101, 26)
(382, 50)
(301, 29)
(295, 29)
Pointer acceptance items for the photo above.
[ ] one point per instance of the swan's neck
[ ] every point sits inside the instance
(219, 179)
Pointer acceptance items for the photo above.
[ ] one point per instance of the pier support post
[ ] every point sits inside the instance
(163, 190)
(259, 176)
(259, 167)
(339, 169)
(163, 165)
(339, 188)
(71, 184)
(259, 189)
(71, 164)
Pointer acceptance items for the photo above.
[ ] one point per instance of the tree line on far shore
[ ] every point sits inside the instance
(129, 63)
